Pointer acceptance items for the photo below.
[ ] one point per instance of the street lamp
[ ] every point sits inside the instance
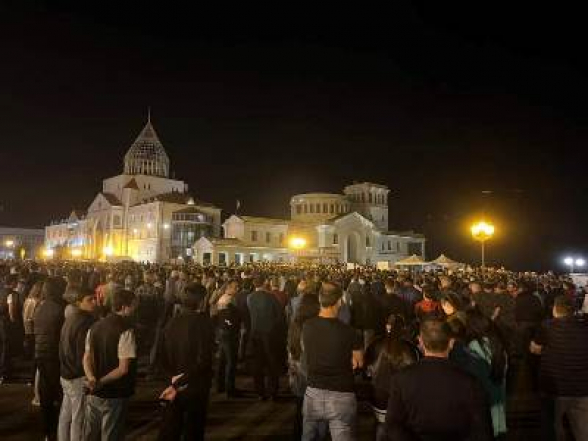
(48, 253)
(482, 231)
(9, 243)
(297, 243)
(573, 263)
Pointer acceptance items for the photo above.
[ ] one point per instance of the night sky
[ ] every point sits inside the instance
(460, 111)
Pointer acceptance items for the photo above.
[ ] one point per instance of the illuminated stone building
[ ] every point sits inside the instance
(141, 214)
(350, 227)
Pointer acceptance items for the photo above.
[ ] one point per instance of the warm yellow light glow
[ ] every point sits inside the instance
(135, 231)
(482, 231)
(149, 225)
(48, 253)
(297, 243)
(9, 243)
(166, 226)
(76, 252)
(108, 251)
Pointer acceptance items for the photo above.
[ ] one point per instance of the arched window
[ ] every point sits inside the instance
(367, 241)
(370, 198)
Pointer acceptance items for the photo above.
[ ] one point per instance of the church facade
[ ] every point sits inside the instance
(141, 214)
(351, 227)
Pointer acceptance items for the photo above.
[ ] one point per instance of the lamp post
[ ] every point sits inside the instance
(482, 231)
(297, 243)
(573, 263)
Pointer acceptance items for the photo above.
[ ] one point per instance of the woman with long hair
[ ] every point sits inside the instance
(384, 358)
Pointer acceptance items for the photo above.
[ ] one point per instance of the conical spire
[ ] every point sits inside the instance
(147, 155)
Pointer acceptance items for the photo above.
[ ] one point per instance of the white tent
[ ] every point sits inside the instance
(413, 260)
(445, 262)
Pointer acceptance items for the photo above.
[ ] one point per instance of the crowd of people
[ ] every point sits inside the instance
(436, 354)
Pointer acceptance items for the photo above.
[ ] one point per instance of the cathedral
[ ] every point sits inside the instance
(140, 214)
(145, 216)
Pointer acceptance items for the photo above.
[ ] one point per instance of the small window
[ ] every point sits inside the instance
(254, 236)
(335, 239)
(389, 245)
(397, 247)
(370, 198)
(367, 241)
(383, 246)
(305, 208)
(298, 209)
(325, 208)
(268, 237)
(318, 208)
(312, 208)
(281, 238)
(332, 209)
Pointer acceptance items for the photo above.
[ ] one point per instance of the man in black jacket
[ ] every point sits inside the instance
(564, 370)
(110, 367)
(267, 320)
(71, 353)
(48, 319)
(187, 360)
(434, 400)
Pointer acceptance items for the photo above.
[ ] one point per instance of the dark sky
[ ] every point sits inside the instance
(442, 105)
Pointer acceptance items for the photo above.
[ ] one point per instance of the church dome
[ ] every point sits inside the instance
(147, 155)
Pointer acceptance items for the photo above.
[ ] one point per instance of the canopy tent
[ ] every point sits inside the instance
(445, 261)
(413, 260)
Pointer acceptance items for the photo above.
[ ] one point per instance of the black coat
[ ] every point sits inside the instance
(48, 319)
(434, 400)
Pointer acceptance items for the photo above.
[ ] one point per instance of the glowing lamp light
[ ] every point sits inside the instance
(9, 243)
(482, 230)
(135, 231)
(569, 261)
(166, 226)
(580, 262)
(108, 251)
(297, 243)
(76, 252)
(149, 225)
(48, 253)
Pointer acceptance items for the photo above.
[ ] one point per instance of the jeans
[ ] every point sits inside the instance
(337, 409)
(104, 418)
(49, 393)
(227, 364)
(265, 356)
(71, 417)
(575, 411)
